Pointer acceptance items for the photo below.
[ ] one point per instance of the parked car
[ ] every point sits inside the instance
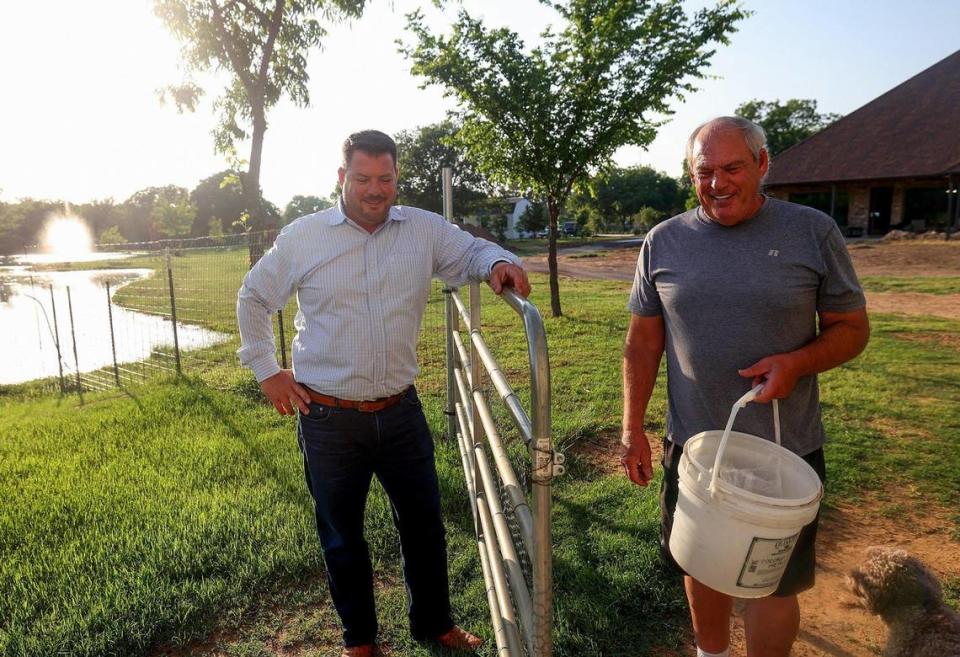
(570, 229)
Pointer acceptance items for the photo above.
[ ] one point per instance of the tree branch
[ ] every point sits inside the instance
(230, 49)
(274, 30)
(262, 15)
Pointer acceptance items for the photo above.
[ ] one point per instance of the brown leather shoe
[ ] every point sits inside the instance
(368, 650)
(458, 638)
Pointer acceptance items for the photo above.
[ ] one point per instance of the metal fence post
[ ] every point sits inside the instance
(173, 311)
(56, 334)
(73, 335)
(113, 341)
(450, 317)
(544, 460)
(37, 316)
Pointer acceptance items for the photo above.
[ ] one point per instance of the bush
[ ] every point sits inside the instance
(111, 236)
(646, 219)
(496, 224)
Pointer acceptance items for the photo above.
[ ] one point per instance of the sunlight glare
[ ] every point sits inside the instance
(67, 237)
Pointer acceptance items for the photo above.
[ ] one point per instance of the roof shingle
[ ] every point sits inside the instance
(913, 130)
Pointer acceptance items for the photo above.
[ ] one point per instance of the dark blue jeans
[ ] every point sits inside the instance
(342, 450)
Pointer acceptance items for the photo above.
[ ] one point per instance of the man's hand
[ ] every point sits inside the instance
(777, 373)
(507, 274)
(285, 393)
(635, 458)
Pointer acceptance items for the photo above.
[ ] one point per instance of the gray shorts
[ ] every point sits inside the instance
(800, 573)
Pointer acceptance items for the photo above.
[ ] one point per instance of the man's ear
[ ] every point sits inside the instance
(764, 162)
(341, 176)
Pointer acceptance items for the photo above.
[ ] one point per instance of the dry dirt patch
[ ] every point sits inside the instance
(902, 259)
(948, 340)
(906, 258)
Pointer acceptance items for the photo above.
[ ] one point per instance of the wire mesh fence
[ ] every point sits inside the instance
(136, 311)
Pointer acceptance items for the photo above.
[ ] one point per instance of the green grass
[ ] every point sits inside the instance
(539, 246)
(156, 515)
(922, 284)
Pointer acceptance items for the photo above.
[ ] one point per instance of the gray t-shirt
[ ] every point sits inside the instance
(731, 295)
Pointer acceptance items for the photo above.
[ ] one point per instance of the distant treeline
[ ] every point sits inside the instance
(622, 198)
(213, 208)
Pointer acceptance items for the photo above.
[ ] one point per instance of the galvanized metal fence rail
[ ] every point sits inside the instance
(521, 611)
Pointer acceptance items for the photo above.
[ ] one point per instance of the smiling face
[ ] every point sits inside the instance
(726, 175)
(369, 184)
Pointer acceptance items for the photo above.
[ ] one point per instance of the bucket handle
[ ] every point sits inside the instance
(737, 405)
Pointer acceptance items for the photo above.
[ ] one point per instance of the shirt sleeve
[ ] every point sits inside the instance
(839, 290)
(644, 298)
(459, 257)
(265, 290)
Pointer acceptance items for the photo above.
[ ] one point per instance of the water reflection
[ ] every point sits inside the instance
(28, 329)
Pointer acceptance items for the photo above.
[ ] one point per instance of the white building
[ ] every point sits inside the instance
(518, 205)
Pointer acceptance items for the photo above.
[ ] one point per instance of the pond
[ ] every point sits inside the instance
(27, 329)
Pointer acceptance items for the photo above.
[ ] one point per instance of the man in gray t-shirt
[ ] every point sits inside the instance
(732, 292)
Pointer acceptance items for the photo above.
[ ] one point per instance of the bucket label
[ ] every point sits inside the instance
(766, 560)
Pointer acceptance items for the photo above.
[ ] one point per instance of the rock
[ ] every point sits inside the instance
(897, 235)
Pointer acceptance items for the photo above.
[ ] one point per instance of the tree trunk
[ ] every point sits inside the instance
(554, 211)
(262, 232)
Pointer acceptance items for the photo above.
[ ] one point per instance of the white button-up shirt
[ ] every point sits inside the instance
(360, 297)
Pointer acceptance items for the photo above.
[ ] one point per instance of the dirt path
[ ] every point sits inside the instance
(902, 259)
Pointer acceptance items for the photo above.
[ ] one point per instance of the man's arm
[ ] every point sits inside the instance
(641, 361)
(460, 257)
(265, 290)
(842, 337)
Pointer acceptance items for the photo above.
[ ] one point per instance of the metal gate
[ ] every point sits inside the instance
(521, 603)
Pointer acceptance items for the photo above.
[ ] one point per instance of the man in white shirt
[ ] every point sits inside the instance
(361, 272)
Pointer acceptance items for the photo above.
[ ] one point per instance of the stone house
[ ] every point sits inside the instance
(893, 163)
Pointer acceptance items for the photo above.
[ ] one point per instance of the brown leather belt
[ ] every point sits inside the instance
(371, 406)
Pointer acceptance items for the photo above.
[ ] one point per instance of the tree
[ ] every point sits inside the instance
(220, 196)
(175, 218)
(786, 123)
(111, 236)
(646, 219)
(619, 193)
(21, 224)
(215, 231)
(543, 119)
(496, 224)
(300, 206)
(263, 44)
(422, 153)
(686, 192)
(156, 212)
(534, 218)
(100, 215)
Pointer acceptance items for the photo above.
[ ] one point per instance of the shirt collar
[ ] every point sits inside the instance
(340, 216)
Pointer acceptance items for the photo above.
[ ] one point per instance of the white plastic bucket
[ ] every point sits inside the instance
(742, 503)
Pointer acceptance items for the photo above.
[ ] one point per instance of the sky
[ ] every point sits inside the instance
(80, 119)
